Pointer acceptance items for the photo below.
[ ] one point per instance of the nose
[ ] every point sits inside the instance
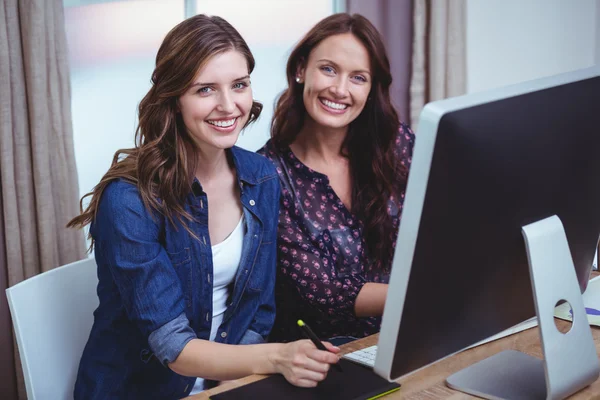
(226, 104)
(340, 88)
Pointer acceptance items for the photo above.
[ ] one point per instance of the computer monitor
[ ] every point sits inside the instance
(485, 165)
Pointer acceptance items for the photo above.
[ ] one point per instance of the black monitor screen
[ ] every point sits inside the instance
(497, 167)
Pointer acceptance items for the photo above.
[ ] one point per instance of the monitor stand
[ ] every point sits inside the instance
(570, 361)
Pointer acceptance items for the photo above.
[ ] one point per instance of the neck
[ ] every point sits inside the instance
(319, 141)
(211, 164)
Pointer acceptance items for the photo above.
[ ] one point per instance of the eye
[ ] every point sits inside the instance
(327, 69)
(241, 85)
(360, 78)
(204, 90)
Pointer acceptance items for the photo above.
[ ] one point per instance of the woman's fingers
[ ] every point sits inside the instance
(309, 365)
(310, 375)
(324, 357)
(331, 347)
(305, 383)
(316, 365)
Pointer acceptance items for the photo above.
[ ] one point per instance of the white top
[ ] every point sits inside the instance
(226, 260)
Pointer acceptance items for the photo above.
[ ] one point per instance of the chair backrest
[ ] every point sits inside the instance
(52, 315)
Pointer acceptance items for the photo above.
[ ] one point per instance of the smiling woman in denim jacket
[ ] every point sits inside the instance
(184, 229)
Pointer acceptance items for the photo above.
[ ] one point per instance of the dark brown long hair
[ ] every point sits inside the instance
(163, 162)
(369, 143)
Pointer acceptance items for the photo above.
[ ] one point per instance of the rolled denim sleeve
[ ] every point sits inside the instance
(169, 340)
(128, 245)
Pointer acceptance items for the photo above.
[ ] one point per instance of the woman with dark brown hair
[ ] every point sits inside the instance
(184, 229)
(342, 157)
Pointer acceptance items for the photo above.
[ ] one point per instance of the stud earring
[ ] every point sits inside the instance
(298, 79)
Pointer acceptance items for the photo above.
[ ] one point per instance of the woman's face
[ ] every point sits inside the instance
(337, 81)
(217, 105)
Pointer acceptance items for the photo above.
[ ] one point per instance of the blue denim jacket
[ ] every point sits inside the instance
(155, 286)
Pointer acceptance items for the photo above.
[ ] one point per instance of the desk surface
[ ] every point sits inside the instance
(429, 383)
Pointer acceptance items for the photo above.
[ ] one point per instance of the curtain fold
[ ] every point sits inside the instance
(38, 176)
(438, 53)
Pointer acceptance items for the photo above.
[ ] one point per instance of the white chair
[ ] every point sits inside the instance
(52, 315)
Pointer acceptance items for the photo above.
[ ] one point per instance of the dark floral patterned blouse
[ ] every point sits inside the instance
(322, 260)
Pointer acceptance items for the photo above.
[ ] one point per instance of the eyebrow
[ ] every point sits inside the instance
(213, 84)
(364, 71)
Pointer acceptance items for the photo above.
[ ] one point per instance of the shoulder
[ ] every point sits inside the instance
(121, 197)
(119, 192)
(271, 152)
(405, 141)
(405, 133)
(268, 150)
(253, 167)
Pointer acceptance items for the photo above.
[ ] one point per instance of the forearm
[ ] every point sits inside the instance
(218, 361)
(371, 300)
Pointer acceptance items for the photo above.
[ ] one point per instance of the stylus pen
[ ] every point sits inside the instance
(311, 335)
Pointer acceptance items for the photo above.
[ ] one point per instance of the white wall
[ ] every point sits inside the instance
(510, 41)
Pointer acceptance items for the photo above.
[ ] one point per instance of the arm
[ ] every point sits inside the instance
(300, 362)
(128, 247)
(371, 300)
(311, 270)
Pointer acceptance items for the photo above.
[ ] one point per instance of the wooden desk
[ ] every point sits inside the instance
(429, 383)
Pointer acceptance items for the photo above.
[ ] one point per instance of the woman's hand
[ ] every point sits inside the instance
(302, 364)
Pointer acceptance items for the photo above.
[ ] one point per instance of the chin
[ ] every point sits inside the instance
(332, 122)
(226, 142)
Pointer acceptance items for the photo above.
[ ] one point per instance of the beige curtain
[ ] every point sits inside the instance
(439, 52)
(38, 178)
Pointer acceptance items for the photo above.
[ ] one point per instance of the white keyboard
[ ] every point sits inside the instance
(365, 356)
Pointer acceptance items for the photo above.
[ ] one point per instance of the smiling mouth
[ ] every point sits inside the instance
(333, 105)
(223, 123)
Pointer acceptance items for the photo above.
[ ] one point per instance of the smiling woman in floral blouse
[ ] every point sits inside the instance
(342, 159)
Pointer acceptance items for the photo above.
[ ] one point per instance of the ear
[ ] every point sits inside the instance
(300, 71)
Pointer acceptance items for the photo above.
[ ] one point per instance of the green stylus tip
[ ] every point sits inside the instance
(300, 322)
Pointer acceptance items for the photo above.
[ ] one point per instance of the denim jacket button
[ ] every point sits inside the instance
(223, 335)
(252, 202)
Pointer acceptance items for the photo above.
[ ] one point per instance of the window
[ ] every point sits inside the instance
(112, 49)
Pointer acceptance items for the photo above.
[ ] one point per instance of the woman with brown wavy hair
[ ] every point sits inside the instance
(184, 230)
(342, 157)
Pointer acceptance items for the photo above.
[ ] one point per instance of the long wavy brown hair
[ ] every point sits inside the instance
(369, 144)
(163, 162)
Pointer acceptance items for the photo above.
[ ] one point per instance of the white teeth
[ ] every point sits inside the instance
(222, 124)
(336, 106)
